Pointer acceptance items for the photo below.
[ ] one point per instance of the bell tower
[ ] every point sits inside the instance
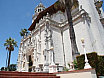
(38, 9)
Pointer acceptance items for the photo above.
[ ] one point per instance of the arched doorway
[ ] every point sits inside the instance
(30, 64)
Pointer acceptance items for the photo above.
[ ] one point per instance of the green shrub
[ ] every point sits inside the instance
(75, 65)
(80, 61)
(12, 67)
(93, 59)
(100, 69)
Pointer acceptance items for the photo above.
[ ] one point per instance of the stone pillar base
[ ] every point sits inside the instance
(52, 68)
(33, 68)
(46, 67)
(71, 66)
(23, 70)
(60, 68)
(87, 65)
(37, 69)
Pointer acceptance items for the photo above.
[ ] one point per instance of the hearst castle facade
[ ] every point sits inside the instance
(48, 45)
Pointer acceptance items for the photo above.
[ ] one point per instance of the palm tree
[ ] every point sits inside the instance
(68, 6)
(23, 32)
(10, 44)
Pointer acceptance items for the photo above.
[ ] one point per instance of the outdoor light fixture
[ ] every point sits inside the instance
(87, 65)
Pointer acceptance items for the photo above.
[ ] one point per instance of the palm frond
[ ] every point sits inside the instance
(23, 32)
(5, 44)
(10, 44)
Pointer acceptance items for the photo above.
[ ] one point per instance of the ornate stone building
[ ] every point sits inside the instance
(49, 41)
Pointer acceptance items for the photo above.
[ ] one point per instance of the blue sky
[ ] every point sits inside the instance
(15, 15)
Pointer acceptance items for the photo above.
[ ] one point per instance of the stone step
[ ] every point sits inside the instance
(25, 72)
(8, 74)
(2, 76)
(22, 74)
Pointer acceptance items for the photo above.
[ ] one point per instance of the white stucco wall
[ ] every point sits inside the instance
(59, 17)
(42, 45)
(82, 30)
(67, 46)
(57, 42)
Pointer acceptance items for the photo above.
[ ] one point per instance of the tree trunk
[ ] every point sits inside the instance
(68, 6)
(9, 59)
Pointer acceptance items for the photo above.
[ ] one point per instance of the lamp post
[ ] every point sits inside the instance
(87, 65)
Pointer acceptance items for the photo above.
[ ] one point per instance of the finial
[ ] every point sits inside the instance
(47, 14)
(82, 40)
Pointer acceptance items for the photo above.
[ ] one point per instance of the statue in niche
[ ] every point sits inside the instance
(35, 43)
(47, 29)
(23, 64)
(35, 48)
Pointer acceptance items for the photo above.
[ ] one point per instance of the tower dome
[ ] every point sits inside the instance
(38, 9)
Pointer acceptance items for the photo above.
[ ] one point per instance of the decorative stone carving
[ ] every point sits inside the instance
(98, 5)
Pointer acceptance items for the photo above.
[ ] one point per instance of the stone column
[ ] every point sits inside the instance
(37, 69)
(19, 62)
(52, 66)
(49, 43)
(46, 64)
(26, 65)
(34, 64)
(34, 57)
